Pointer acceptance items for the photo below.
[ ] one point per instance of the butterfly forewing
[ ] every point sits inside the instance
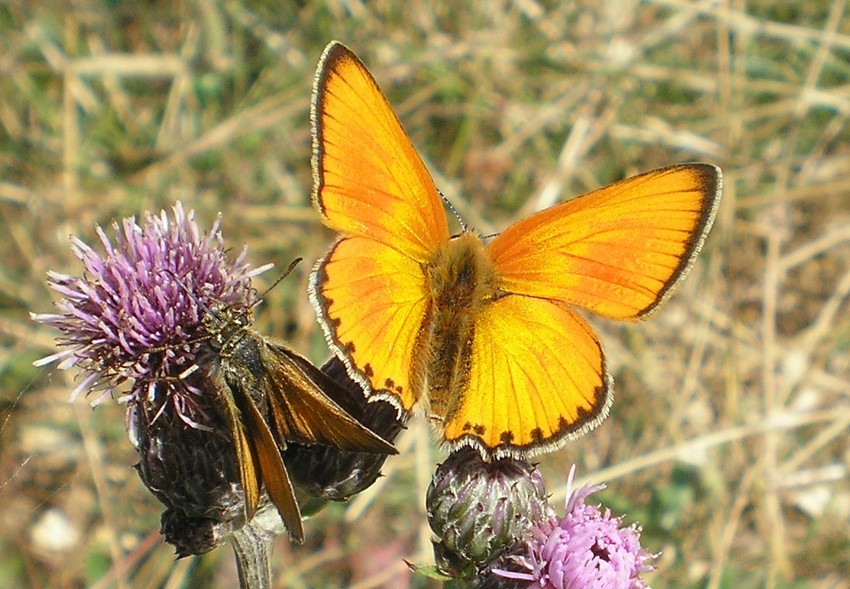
(616, 251)
(304, 413)
(369, 180)
(269, 464)
(246, 457)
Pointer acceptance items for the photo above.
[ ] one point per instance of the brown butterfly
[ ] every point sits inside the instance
(271, 396)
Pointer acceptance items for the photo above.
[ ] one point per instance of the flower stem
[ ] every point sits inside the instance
(253, 558)
(252, 546)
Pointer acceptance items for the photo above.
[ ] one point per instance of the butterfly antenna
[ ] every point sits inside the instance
(280, 278)
(452, 209)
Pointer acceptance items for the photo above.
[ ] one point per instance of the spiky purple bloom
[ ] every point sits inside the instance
(585, 549)
(136, 313)
(137, 317)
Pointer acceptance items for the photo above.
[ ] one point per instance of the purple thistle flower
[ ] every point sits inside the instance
(140, 315)
(154, 312)
(136, 314)
(586, 548)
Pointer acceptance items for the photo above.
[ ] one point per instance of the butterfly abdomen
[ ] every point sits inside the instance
(460, 278)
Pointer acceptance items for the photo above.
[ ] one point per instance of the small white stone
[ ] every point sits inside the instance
(53, 532)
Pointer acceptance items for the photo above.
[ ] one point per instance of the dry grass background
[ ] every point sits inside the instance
(728, 439)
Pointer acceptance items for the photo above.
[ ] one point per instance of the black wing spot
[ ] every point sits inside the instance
(506, 437)
(367, 370)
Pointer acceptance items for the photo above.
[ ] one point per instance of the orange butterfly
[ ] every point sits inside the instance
(483, 332)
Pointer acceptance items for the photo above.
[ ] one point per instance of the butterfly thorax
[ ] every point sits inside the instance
(461, 281)
(226, 328)
(233, 350)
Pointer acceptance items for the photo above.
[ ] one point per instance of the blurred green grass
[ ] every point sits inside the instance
(728, 438)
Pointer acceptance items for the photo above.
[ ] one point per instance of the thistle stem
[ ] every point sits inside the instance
(253, 557)
(252, 546)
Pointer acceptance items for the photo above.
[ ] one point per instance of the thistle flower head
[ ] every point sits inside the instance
(137, 312)
(585, 548)
(142, 315)
(155, 312)
(480, 510)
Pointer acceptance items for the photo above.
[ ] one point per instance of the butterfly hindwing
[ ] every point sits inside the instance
(536, 376)
(372, 302)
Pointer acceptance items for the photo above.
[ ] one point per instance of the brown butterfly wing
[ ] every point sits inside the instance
(246, 458)
(303, 412)
(265, 453)
(245, 382)
(274, 474)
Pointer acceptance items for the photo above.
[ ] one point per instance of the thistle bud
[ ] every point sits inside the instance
(479, 510)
